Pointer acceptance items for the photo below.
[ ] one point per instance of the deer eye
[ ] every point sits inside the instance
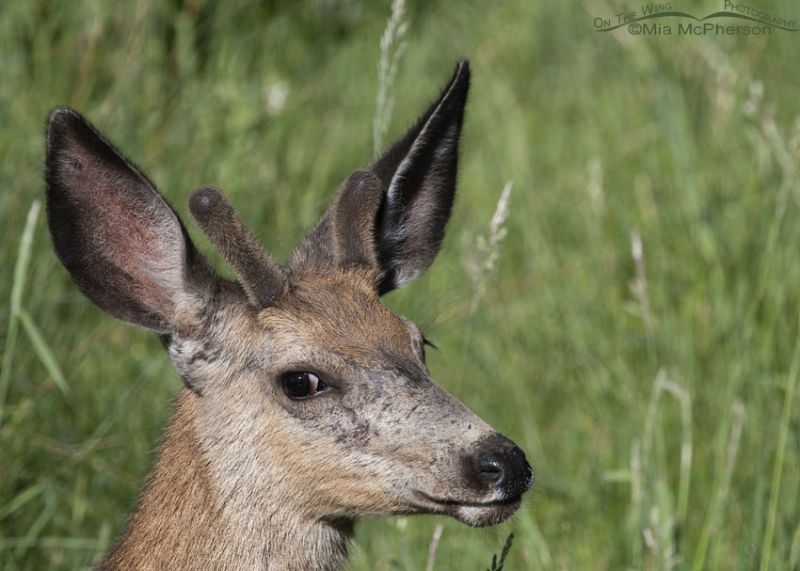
(301, 385)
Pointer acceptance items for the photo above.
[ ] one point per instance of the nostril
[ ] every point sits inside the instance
(491, 469)
(498, 467)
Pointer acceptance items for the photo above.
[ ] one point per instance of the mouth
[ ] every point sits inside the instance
(476, 514)
(465, 504)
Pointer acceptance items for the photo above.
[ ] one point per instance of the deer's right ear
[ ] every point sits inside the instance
(122, 243)
(418, 177)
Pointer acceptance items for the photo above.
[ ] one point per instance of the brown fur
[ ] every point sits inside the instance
(180, 520)
(260, 276)
(251, 474)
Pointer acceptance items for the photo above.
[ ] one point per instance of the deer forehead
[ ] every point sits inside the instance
(340, 313)
(331, 314)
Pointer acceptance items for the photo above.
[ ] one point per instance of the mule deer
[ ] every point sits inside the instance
(307, 403)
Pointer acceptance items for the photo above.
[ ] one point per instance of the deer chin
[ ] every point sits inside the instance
(485, 515)
(475, 514)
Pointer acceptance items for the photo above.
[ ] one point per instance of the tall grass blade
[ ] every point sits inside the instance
(43, 351)
(36, 528)
(777, 471)
(685, 402)
(20, 500)
(722, 487)
(794, 551)
(434, 547)
(483, 260)
(17, 288)
(392, 48)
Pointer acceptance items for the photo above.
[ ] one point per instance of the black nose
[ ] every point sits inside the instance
(502, 465)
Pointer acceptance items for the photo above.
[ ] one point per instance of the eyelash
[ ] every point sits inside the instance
(426, 342)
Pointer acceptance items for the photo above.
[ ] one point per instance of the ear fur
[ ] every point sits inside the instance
(121, 242)
(418, 174)
(404, 199)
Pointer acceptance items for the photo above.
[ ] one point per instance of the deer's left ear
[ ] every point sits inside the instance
(392, 216)
(418, 178)
(121, 242)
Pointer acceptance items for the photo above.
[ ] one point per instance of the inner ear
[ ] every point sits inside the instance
(419, 177)
(121, 242)
(354, 217)
(392, 216)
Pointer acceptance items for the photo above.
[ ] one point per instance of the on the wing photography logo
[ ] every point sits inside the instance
(661, 19)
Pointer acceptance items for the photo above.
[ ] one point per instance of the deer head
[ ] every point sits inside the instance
(310, 393)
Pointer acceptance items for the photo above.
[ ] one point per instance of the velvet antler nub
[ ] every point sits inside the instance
(262, 279)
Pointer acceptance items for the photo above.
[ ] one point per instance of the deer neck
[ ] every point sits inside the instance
(189, 517)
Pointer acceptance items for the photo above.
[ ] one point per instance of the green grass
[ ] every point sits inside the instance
(652, 395)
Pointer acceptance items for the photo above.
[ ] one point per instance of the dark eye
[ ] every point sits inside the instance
(301, 385)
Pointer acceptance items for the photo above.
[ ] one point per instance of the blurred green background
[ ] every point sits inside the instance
(636, 331)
